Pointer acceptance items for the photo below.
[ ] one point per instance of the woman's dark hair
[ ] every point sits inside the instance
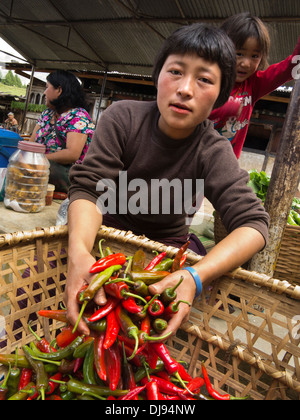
(243, 26)
(207, 42)
(72, 95)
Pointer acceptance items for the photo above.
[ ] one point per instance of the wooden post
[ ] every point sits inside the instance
(27, 99)
(283, 186)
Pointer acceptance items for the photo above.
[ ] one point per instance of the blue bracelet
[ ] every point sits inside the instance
(197, 279)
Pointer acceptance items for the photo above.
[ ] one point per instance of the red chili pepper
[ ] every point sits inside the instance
(78, 363)
(127, 374)
(179, 255)
(54, 385)
(156, 308)
(25, 379)
(54, 398)
(112, 330)
(212, 392)
(173, 308)
(66, 337)
(105, 310)
(166, 387)
(120, 290)
(194, 385)
(132, 395)
(155, 261)
(153, 393)
(131, 306)
(170, 364)
(99, 356)
(146, 324)
(137, 360)
(183, 260)
(59, 315)
(113, 364)
(184, 374)
(80, 292)
(42, 344)
(106, 262)
(152, 357)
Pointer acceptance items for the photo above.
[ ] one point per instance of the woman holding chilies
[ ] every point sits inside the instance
(169, 139)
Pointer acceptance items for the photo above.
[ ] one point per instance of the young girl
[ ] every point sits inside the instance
(252, 42)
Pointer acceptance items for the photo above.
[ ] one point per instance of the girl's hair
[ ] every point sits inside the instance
(207, 42)
(72, 95)
(243, 26)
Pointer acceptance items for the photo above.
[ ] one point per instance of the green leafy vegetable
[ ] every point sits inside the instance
(259, 182)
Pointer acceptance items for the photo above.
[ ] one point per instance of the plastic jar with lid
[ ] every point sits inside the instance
(27, 178)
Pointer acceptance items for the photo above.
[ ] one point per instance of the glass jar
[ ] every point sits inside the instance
(27, 178)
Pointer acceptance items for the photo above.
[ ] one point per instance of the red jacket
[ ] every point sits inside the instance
(227, 119)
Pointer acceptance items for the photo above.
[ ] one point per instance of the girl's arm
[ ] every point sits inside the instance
(265, 82)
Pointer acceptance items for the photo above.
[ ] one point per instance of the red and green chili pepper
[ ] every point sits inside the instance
(107, 262)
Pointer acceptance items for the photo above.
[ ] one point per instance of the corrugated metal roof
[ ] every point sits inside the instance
(124, 35)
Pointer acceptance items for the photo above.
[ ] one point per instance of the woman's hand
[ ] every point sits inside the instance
(84, 223)
(77, 277)
(186, 291)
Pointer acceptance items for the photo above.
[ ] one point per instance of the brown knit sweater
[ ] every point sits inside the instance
(128, 141)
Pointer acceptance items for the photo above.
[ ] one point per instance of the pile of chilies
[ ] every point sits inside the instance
(122, 359)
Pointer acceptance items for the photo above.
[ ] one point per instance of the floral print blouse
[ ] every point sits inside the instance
(76, 120)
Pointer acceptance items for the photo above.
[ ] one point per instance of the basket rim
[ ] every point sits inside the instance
(277, 286)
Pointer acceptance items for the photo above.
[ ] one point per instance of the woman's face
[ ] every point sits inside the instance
(188, 87)
(51, 93)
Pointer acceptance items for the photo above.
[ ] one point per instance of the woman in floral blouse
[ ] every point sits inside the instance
(64, 127)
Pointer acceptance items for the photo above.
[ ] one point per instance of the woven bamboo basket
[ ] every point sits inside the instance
(253, 351)
(288, 263)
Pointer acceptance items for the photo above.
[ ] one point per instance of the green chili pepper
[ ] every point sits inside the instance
(160, 325)
(169, 294)
(42, 381)
(99, 326)
(149, 277)
(9, 359)
(164, 265)
(80, 388)
(138, 261)
(128, 327)
(24, 393)
(98, 282)
(142, 315)
(88, 366)
(140, 288)
(89, 293)
(67, 396)
(65, 353)
(14, 377)
(4, 387)
(81, 350)
(142, 371)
